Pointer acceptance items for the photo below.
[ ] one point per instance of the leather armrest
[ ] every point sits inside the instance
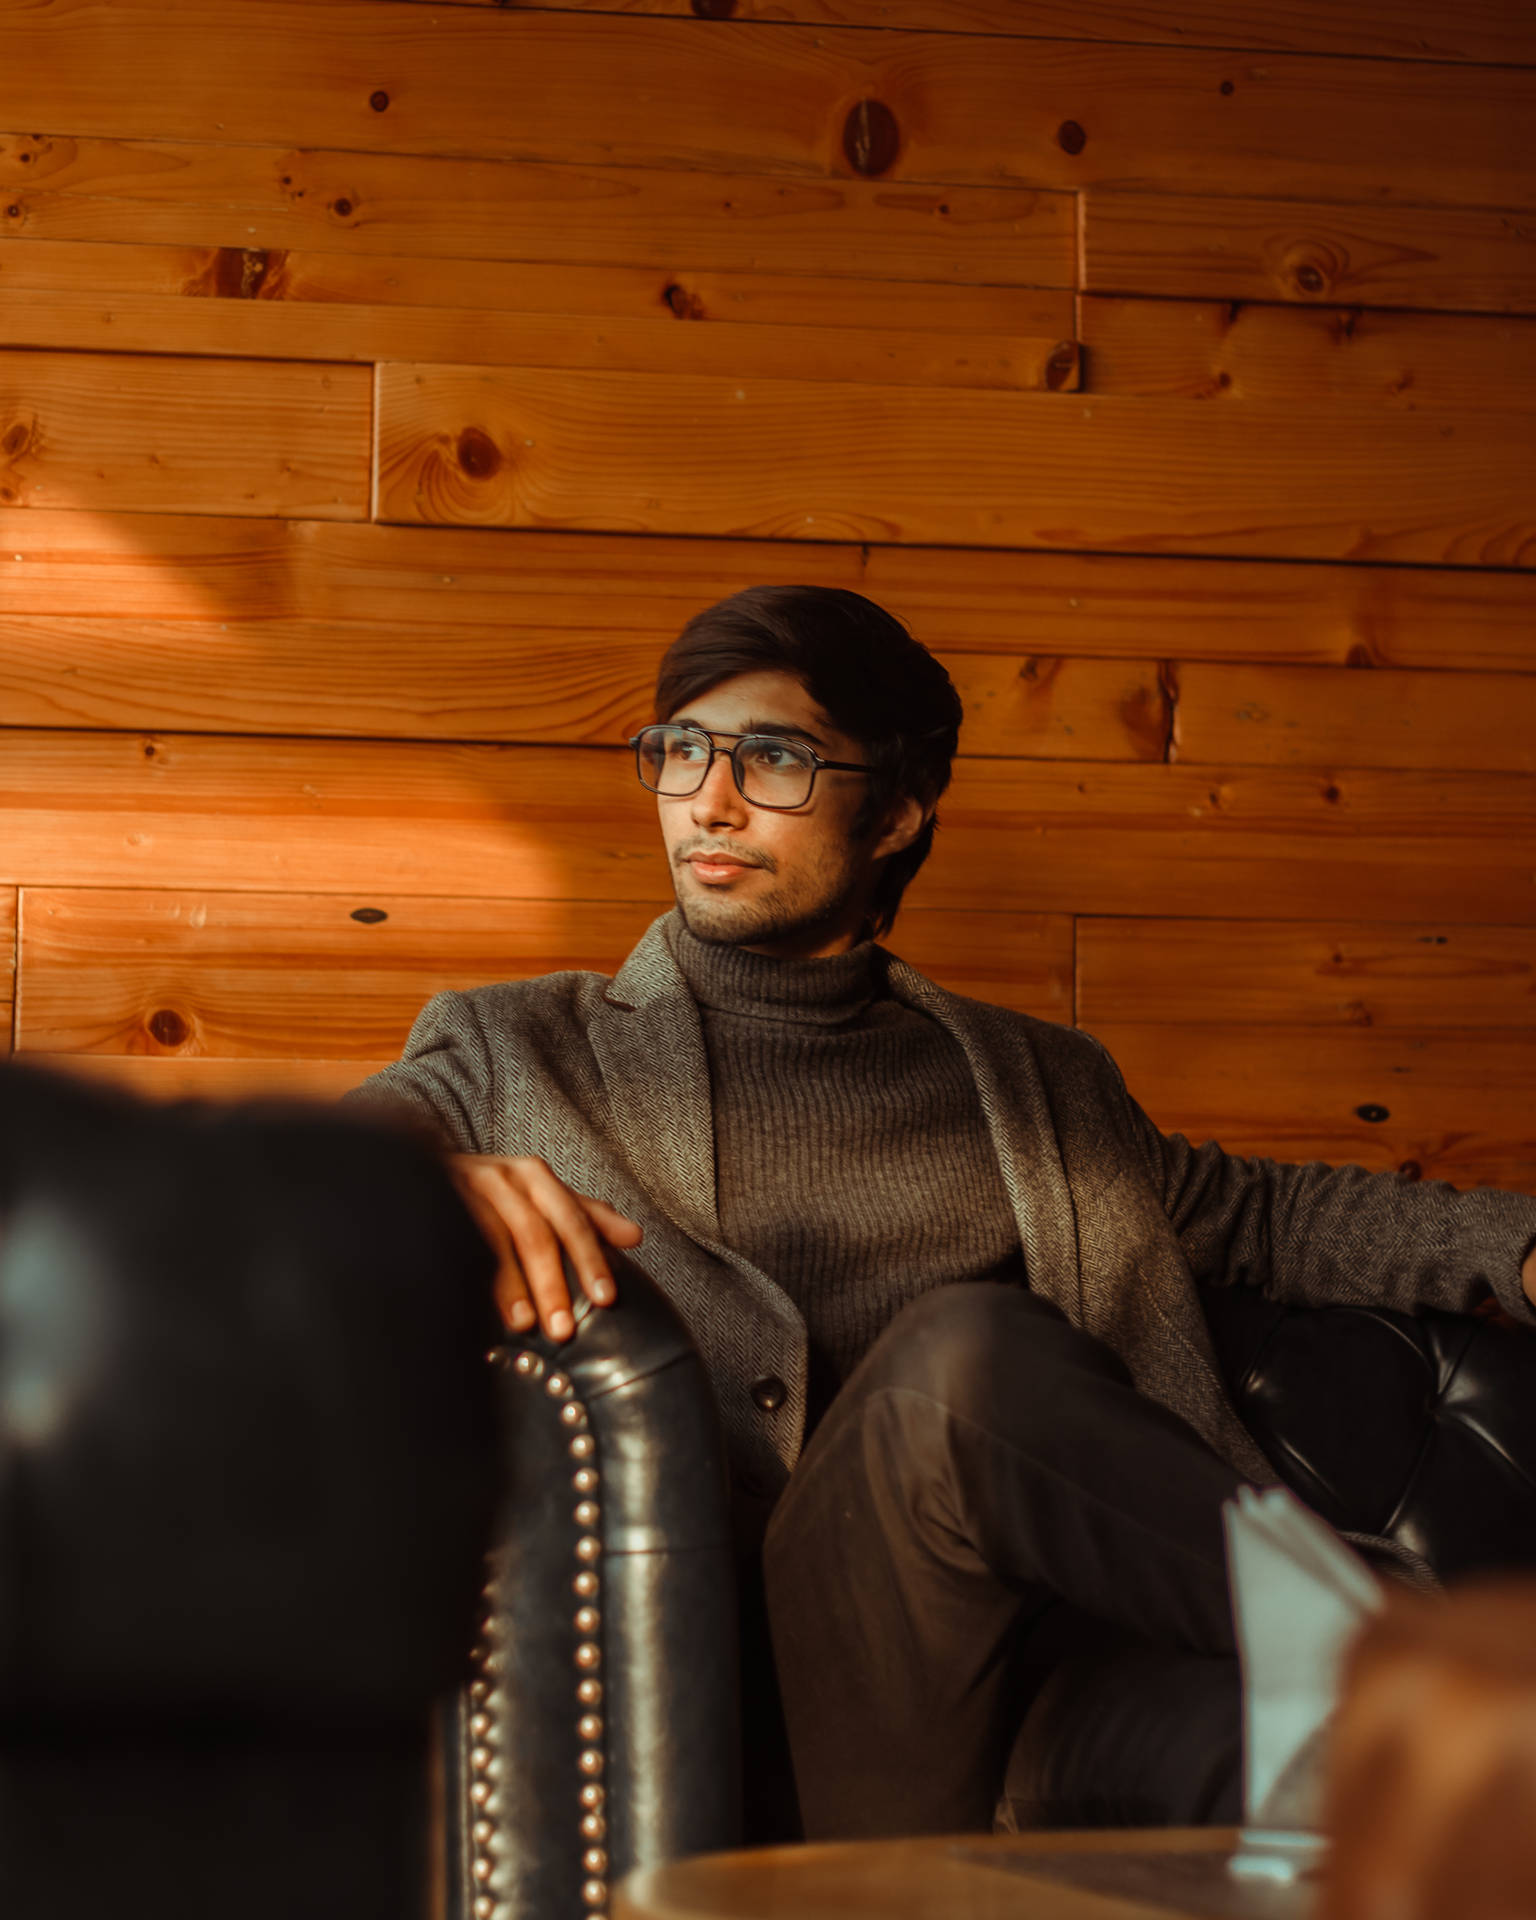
(601, 1729)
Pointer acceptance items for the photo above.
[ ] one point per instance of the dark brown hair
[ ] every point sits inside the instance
(860, 665)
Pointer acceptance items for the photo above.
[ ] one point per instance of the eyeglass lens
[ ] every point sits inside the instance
(770, 770)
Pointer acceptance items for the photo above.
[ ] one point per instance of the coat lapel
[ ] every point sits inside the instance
(649, 1044)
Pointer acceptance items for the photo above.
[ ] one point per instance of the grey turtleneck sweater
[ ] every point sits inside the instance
(852, 1161)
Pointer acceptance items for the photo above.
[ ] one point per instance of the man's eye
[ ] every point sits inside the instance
(684, 750)
(774, 754)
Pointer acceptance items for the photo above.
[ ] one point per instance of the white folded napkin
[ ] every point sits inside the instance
(1298, 1595)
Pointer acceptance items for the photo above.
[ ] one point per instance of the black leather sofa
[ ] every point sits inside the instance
(600, 1732)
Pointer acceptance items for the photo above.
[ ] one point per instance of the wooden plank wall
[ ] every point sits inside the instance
(383, 383)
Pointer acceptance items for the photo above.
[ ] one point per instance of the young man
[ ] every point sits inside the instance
(940, 1265)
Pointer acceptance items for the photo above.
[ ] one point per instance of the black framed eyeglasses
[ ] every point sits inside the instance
(770, 769)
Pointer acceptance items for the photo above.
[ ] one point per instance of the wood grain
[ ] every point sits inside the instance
(1321, 717)
(550, 823)
(797, 460)
(1484, 30)
(1091, 603)
(416, 681)
(79, 585)
(131, 567)
(112, 432)
(273, 976)
(8, 967)
(1054, 709)
(1204, 350)
(332, 208)
(1274, 973)
(1457, 1105)
(683, 295)
(617, 91)
(170, 323)
(1464, 259)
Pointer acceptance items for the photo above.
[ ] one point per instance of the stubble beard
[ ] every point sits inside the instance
(799, 911)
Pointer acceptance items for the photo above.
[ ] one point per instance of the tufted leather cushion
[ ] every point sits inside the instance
(1418, 1427)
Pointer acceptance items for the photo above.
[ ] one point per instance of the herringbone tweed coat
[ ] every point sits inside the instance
(607, 1081)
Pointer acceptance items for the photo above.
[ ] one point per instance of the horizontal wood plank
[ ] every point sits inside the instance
(1482, 30)
(1321, 716)
(186, 811)
(618, 91)
(111, 432)
(1204, 350)
(170, 323)
(510, 447)
(315, 219)
(1188, 245)
(92, 577)
(1127, 604)
(8, 967)
(413, 681)
(1453, 1106)
(286, 976)
(1273, 973)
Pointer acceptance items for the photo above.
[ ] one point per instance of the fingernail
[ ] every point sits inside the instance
(522, 1317)
(561, 1325)
(602, 1292)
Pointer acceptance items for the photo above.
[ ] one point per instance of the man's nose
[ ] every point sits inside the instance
(718, 798)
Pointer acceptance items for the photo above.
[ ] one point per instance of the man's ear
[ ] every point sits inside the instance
(903, 824)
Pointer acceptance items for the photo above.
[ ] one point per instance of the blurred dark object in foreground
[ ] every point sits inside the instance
(1431, 1802)
(246, 1460)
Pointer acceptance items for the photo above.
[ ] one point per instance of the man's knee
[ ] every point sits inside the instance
(959, 1345)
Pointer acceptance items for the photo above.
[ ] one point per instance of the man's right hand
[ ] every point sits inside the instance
(531, 1218)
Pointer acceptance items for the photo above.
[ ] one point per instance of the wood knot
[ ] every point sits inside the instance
(681, 303)
(1070, 137)
(1410, 1171)
(479, 455)
(1061, 366)
(379, 101)
(370, 916)
(168, 1027)
(16, 441)
(342, 209)
(13, 211)
(1309, 279)
(1332, 794)
(713, 9)
(871, 138)
(1372, 1114)
(1228, 88)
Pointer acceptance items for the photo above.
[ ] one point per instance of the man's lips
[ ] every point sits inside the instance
(716, 866)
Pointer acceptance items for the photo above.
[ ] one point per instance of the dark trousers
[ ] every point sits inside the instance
(996, 1583)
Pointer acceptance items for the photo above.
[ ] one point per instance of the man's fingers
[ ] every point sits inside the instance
(570, 1215)
(509, 1286)
(616, 1228)
(536, 1223)
(538, 1249)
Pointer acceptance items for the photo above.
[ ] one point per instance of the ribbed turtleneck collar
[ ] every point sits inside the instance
(815, 993)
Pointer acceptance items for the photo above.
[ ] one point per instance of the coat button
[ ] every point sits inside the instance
(770, 1392)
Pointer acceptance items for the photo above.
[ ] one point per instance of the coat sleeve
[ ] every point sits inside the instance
(444, 1082)
(1319, 1235)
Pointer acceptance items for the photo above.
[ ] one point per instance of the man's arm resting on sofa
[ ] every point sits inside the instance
(1320, 1235)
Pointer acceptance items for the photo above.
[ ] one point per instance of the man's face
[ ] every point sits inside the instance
(791, 884)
